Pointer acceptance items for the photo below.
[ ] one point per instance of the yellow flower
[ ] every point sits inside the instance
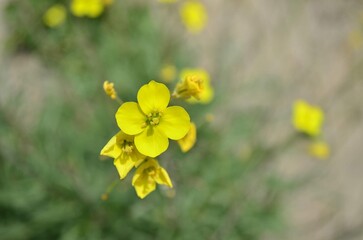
(190, 86)
(168, 73)
(55, 16)
(147, 175)
(87, 8)
(121, 147)
(320, 150)
(151, 121)
(307, 119)
(194, 16)
(195, 86)
(109, 89)
(187, 142)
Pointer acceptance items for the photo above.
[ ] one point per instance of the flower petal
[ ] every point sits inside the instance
(140, 170)
(111, 149)
(130, 118)
(175, 122)
(153, 97)
(151, 142)
(188, 141)
(123, 164)
(141, 181)
(144, 186)
(162, 177)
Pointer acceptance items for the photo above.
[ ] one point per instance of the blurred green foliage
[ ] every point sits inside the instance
(51, 179)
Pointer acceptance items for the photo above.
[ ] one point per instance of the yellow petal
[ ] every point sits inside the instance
(121, 136)
(123, 164)
(111, 149)
(175, 122)
(162, 177)
(136, 156)
(207, 95)
(151, 142)
(144, 185)
(188, 141)
(153, 97)
(142, 182)
(141, 168)
(130, 118)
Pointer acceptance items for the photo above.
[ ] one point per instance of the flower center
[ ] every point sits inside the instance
(151, 171)
(127, 147)
(153, 118)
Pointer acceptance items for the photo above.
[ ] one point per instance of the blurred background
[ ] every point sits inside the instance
(250, 175)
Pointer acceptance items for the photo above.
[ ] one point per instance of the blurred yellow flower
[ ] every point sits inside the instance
(320, 150)
(355, 39)
(104, 197)
(121, 147)
(194, 16)
(147, 175)
(194, 85)
(168, 73)
(187, 142)
(169, 192)
(307, 119)
(109, 89)
(55, 16)
(151, 121)
(190, 86)
(87, 8)
(209, 117)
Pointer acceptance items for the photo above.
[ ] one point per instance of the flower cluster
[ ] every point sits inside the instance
(89, 8)
(146, 126)
(109, 89)
(57, 14)
(309, 120)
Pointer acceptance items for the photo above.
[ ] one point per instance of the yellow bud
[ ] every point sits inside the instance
(109, 89)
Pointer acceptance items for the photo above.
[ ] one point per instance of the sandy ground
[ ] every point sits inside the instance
(273, 53)
(279, 51)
